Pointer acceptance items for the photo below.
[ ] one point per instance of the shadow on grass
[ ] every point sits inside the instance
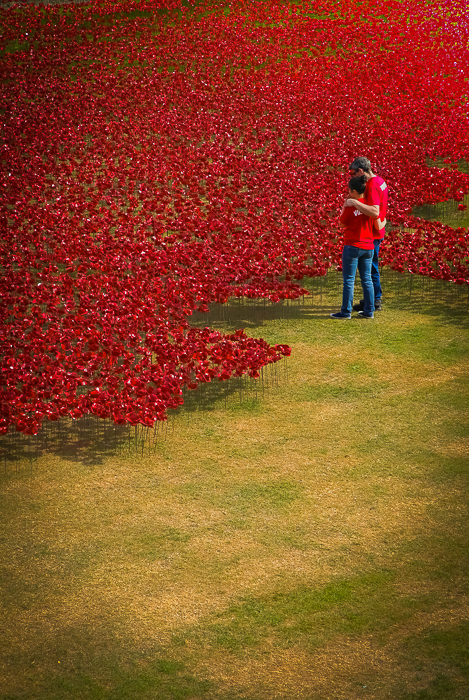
(87, 440)
(427, 664)
(92, 664)
(90, 440)
(402, 291)
(447, 650)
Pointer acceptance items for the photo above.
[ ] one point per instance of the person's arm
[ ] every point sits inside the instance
(379, 224)
(371, 210)
(341, 224)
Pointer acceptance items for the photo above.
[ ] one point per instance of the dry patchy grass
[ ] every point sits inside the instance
(211, 549)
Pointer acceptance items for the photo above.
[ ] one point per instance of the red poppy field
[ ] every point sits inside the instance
(155, 162)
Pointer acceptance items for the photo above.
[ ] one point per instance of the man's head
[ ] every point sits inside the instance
(361, 166)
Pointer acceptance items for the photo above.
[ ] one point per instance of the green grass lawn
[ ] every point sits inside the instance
(304, 537)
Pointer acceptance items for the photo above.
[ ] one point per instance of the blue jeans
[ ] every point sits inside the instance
(375, 270)
(353, 258)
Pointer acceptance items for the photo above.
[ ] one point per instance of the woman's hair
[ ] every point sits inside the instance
(358, 183)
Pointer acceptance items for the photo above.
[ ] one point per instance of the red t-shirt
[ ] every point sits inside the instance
(377, 193)
(358, 229)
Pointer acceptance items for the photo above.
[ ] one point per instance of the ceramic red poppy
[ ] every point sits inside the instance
(135, 197)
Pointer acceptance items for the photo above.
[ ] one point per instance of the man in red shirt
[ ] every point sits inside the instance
(374, 205)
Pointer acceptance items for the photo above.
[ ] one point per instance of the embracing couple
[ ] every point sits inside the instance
(363, 219)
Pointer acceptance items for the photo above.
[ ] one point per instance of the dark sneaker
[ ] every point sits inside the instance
(362, 314)
(361, 305)
(340, 316)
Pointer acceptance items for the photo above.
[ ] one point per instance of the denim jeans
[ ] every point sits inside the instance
(375, 270)
(353, 258)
